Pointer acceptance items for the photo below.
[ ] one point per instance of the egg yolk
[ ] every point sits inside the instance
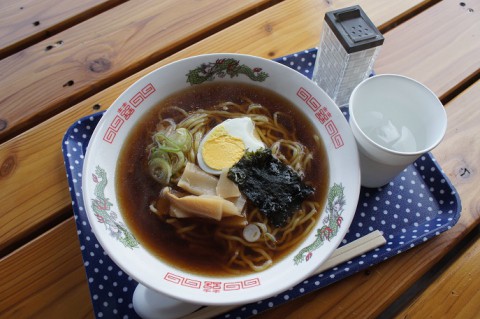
(222, 150)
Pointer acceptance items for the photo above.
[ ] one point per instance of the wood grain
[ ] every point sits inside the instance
(22, 23)
(454, 294)
(46, 278)
(35, 156)
(450, 26)
(367, 294)
(37, 83)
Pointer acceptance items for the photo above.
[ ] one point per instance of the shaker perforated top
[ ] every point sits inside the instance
(353, 28)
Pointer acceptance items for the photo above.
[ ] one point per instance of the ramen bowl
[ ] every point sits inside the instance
(119, 240)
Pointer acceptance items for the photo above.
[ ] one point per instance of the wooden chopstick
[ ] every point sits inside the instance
(345, 253)
(351, 250)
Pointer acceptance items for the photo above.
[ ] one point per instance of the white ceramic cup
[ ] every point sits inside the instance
(395, 120)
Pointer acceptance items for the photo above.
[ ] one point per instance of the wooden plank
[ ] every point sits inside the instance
(46, 278)
(35, 156)
(449, 26)
(455, 294)
(367, 294)
(28, 21)
(37, 82)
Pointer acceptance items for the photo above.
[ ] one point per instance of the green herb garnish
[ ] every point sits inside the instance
(166, 154)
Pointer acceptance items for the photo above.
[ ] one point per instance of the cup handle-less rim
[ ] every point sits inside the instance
(442, 114)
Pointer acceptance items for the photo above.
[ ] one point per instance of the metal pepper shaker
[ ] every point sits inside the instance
(348, 48)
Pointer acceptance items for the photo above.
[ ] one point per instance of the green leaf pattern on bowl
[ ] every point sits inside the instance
(221, 68)
(331, 223)
(102, 208)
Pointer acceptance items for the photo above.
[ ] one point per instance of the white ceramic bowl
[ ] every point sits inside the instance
(115, 237)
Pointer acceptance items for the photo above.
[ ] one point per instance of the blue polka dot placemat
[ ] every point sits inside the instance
(417, 205)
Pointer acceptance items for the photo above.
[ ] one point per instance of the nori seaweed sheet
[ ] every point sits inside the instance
(273, 187)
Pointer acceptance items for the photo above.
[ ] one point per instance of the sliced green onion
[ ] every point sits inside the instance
(160, 170)
(251, 233)
(163, 139)
(177, 161)
(168, 149)
(166, 154)
(155, 152)
(182, 138)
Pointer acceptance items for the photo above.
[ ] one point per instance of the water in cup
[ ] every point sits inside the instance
(390, 133)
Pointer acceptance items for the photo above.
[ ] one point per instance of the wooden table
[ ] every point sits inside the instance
(61, 60)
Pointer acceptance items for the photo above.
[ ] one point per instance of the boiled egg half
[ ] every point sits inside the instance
(226, 143)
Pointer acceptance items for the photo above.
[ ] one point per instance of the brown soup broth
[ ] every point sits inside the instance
(136, 189)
